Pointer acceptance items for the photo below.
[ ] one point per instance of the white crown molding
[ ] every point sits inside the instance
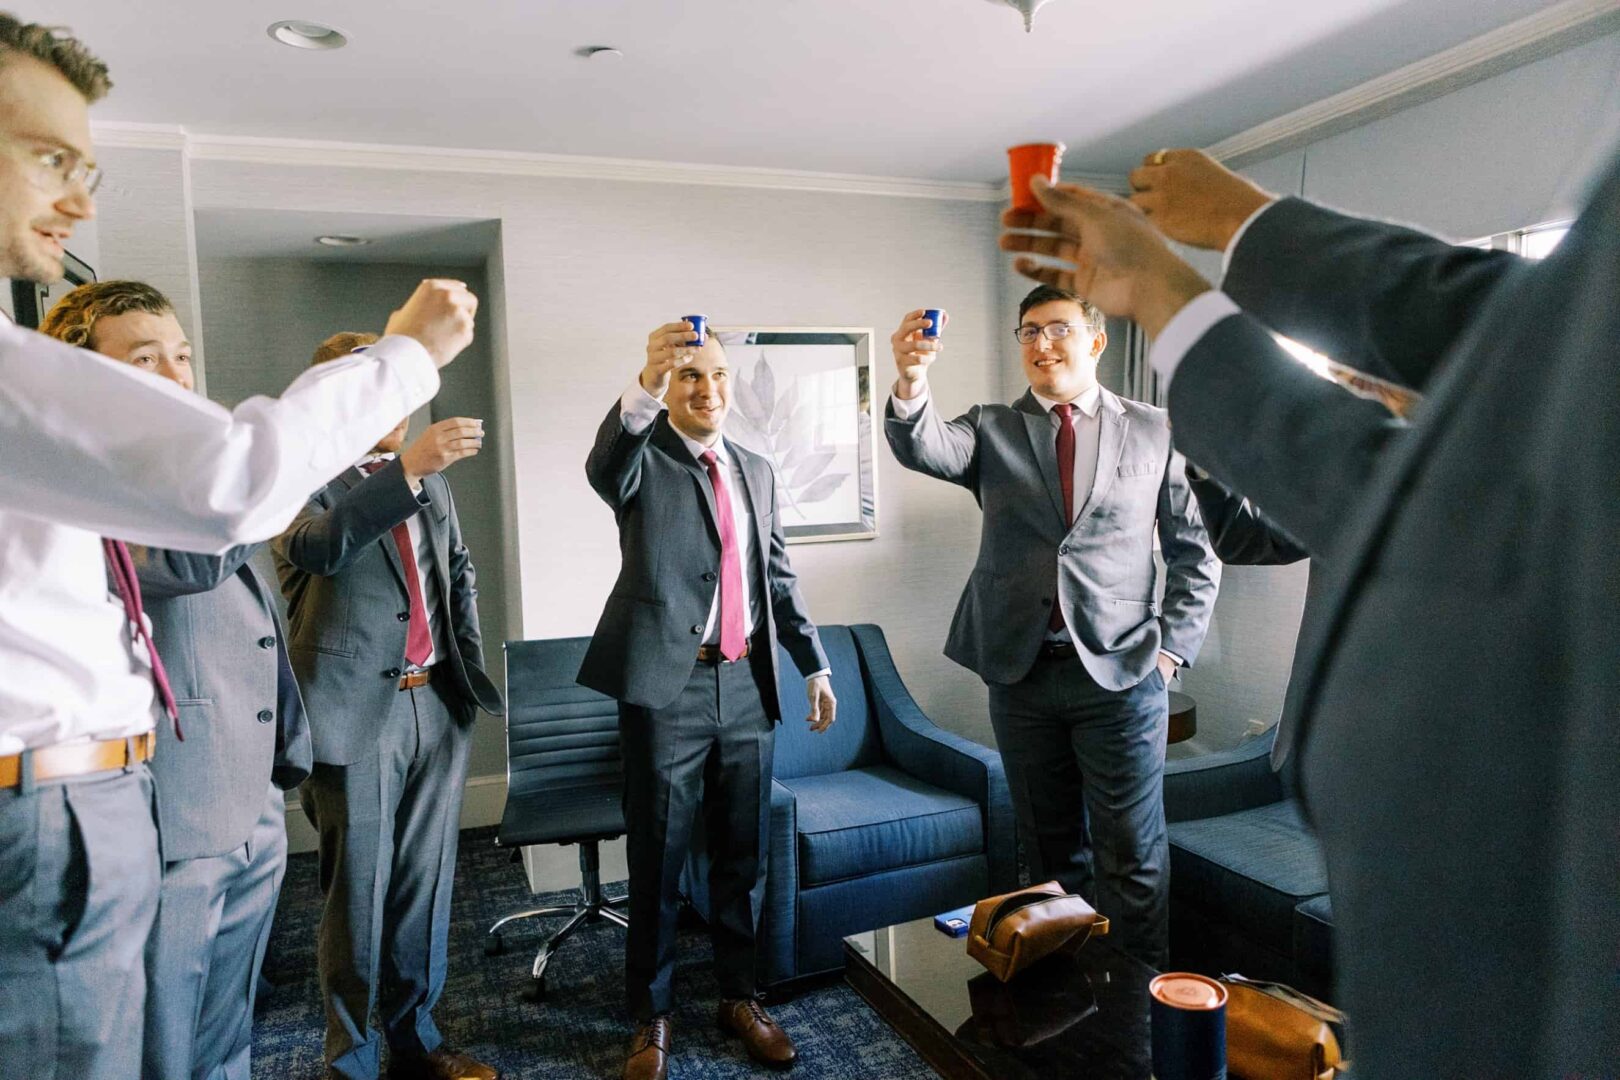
(1532, 38)
(124, 135)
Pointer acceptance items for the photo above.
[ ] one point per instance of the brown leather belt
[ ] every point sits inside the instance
(412, 679)
(78, 759)
(1056, 650)
(710, 654)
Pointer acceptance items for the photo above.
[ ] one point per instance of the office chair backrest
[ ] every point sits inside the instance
(852, 742)
(558, 733)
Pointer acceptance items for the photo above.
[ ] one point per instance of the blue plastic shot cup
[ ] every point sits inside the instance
(936, 318)
(700, 327)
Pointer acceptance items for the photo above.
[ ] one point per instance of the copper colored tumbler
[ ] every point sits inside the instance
(1031, 159)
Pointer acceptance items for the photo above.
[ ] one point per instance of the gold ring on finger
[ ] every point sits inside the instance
(1157, 158)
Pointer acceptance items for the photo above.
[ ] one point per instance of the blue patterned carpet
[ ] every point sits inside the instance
(582, 1028)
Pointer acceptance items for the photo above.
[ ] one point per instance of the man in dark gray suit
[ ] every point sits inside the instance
(1059, 615)
(1458, 748)
(687, 644)
(221, 815)
(385, 640)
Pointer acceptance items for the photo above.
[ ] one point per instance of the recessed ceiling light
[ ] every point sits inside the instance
(306, 35)
(342, 240)
(600, 52)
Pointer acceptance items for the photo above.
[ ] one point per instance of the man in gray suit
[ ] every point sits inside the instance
(1059, 615)
(687, 644)
(1458, 747)
(220, 811)
(385, 640)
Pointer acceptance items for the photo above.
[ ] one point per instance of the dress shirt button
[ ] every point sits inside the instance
(391, 673)
(267, 643)
(697, 628)
(403, 616)
(708, 575)
(265, 716)
(1064, 550)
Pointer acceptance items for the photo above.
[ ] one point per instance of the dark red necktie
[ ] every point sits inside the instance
(129, 591)
(419, 636)
(733, 627)
(1065, 461)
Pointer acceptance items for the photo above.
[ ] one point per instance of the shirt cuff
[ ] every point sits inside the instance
(1184, 329)
(906, 408)
(638, 409)
(1237, 237)
(818, 674)
(408, 356)
(1180, 663)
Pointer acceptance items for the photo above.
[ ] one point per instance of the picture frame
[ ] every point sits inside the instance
(802, 397)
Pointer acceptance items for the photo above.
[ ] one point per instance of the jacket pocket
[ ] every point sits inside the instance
(1141, 468)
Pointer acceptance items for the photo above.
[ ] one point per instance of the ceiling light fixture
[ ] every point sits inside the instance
(342, 240)
(1027, 8)
(301, 34)
(599, 52)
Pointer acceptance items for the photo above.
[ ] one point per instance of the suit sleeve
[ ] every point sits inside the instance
(166, 574)
(943, 449)
(464, 602)
(794, 629)
(1240, 534)
(613, 467)
(1192, 572)
(1381, 298)
(1309, 448)
(328, 533)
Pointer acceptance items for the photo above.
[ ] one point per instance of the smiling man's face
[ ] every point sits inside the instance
(1061, 370)
(41, 113)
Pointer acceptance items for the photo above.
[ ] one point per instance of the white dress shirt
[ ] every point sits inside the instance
(96, 448)
(638, 410)
(424, 560)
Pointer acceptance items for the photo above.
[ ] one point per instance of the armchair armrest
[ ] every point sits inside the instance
(929, 752)
(1214, 784)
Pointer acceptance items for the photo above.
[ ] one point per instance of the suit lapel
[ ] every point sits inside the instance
(1043, 444)
(668, 440)
(348, 478)
(756, 481)
(1113, 425)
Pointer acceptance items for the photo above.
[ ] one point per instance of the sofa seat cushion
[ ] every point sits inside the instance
(1251, 868)
(866, 821)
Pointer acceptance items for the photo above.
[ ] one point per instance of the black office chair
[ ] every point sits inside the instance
(565, 782)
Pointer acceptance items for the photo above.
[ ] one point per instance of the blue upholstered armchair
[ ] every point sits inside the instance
(885, 817)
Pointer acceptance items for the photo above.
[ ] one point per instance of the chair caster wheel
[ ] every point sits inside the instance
(535, 991)
(494, 945)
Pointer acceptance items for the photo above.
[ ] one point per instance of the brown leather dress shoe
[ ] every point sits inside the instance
(441, 1064)
(649, 1051)
(767, 1043)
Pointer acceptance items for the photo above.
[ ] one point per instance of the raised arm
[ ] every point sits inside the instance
(166, 574)
(613, 467)
(329, 532)
(1239, 532)
(921, 441)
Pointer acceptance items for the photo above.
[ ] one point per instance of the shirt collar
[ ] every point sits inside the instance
(369, 458)
(1086, 402)
(697, 449)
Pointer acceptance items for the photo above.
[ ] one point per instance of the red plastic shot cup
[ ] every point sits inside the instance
(1024, 162)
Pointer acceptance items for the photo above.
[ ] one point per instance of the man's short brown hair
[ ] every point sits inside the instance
(340, 345)
(1096, 322)
(52, 45)
(73, 319)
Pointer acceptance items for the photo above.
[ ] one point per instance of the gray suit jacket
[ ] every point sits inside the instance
(1102, 566)
(647, 639)
(1459, 750)
(348, 608)
(216, 626)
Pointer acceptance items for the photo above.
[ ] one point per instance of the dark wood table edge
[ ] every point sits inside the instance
(921, 1031)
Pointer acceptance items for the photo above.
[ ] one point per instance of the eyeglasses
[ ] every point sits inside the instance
(1052, 331)
(55, 170)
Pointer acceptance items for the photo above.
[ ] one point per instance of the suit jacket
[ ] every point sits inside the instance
(646, 641)
(1102, 565)
(349, 612)
(217, 629)
(1456, 700)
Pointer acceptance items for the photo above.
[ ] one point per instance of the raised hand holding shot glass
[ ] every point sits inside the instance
(668, 347)
(916, 344)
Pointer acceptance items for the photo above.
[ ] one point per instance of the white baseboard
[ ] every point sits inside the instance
(481, 804)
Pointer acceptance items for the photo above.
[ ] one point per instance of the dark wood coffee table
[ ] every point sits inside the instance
(1083, 1016)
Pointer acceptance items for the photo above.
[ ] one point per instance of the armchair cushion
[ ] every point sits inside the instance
(866, 821)
(1253, 867)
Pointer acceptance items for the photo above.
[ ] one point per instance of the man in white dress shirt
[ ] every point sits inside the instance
(89, 448)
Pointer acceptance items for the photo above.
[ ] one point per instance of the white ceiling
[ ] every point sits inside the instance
(931, 89)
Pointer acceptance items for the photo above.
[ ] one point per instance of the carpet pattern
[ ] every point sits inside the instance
(582, 1028)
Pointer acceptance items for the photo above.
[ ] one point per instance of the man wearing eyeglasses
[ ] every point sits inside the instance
(1059, 615)
(89, 451)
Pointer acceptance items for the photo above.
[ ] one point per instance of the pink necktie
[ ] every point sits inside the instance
(1065, 459)
(129, 591)
(419, 635)
(733, 628)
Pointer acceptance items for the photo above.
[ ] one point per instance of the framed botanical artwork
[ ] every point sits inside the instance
(802, 396)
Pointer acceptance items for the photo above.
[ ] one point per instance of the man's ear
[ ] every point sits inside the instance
(1099, 344)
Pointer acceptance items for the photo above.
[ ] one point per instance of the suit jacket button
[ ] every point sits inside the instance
(403, 616)
(391, 673)
(708, 575)
(265, 716)
(697, 628)
(267, 643)
(1064, 550)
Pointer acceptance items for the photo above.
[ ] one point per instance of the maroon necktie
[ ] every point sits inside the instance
(1065, 461)
(733, 629)
(419, 636)
(129, 591)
